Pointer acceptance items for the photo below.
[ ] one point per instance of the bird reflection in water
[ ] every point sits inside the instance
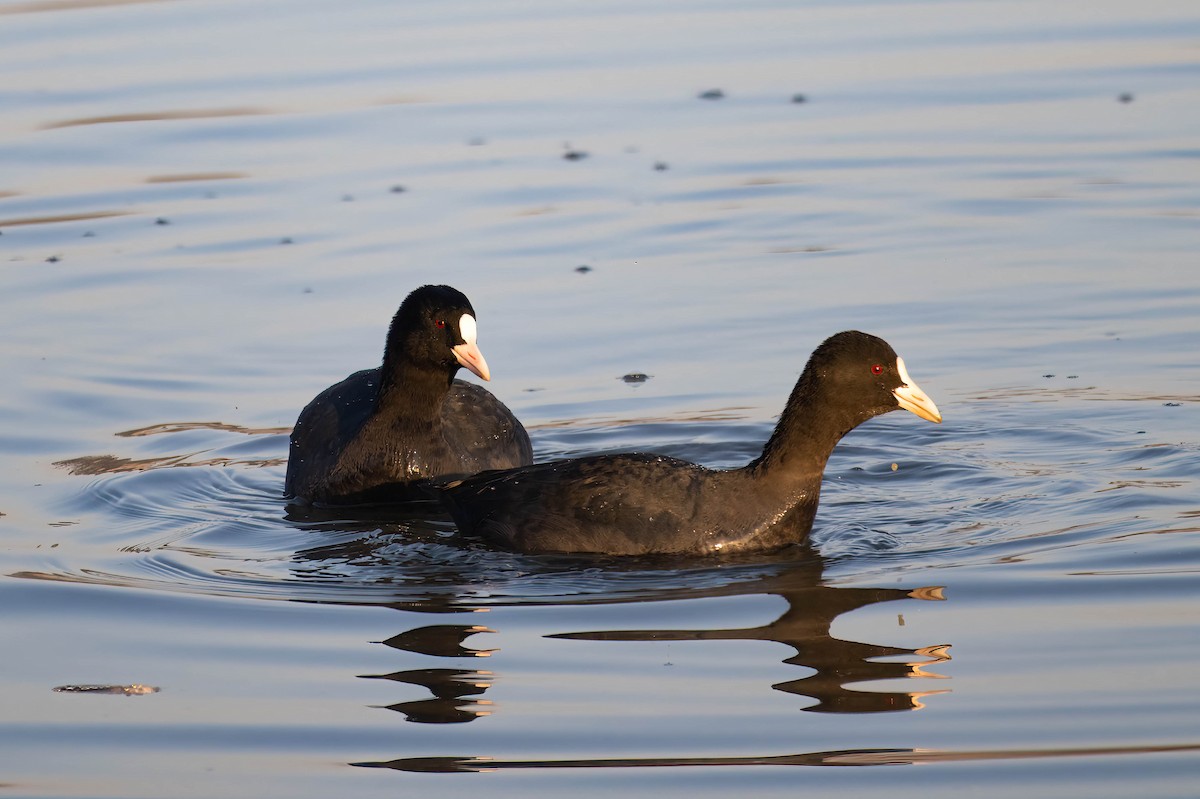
(837, 665)
(805, 626)
(454, 690)
(451, 689)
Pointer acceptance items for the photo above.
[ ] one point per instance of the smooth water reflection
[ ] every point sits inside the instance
(838, 665)
(843, 757)
(192, 246)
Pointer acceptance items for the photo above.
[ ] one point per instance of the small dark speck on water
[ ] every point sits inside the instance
(1172, 404)
(799, 98)
(53, 259)
(712, 94)
(347, 198)
(162, 220)
(89, 234)
(636, 377)
(286, 240)
(1072, 377)
(308, 290)
(477, 141)
(397, 189)
(575, 155)
(660, 166)
(1047, 376)
(583, 269)
(1125, 97)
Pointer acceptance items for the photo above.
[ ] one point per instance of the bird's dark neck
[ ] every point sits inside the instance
(411, 392)
(810, 427)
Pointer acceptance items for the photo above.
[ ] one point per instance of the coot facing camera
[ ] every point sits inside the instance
(385, 430)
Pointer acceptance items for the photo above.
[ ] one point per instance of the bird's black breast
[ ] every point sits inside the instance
(344, 444)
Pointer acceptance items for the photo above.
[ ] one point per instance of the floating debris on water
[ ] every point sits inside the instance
(636, 377)
(134, 689)
(711, 94)
(583, 269)
(660, 166)
(799, 98)
(575, 155)
(1125, 97)
(397, 189)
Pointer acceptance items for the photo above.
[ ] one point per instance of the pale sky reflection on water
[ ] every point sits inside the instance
(210, 210)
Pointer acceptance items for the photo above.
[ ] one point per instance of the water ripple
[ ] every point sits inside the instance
(896, 496)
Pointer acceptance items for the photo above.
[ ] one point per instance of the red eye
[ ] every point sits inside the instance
(440, 323)
(877, 369)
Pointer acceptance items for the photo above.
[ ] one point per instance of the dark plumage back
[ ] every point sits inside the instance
(634, 503)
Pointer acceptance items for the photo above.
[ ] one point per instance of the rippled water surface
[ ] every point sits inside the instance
(210, 210)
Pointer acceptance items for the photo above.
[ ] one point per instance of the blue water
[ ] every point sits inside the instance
(209, 212)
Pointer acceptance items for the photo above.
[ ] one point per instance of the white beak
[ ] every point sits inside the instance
(912, 398)
(467, 353)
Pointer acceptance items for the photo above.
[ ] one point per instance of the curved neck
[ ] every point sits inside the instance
(808, 430)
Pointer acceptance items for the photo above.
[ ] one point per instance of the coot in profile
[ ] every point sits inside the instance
(383, 431)
(641, 504)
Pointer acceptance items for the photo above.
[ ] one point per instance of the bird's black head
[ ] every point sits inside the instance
(863, 374)
(435, 328)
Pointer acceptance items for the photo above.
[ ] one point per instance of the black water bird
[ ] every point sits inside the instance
(641, 504)
(385, 430)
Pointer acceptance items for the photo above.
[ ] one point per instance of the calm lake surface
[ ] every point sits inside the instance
(209, 212)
